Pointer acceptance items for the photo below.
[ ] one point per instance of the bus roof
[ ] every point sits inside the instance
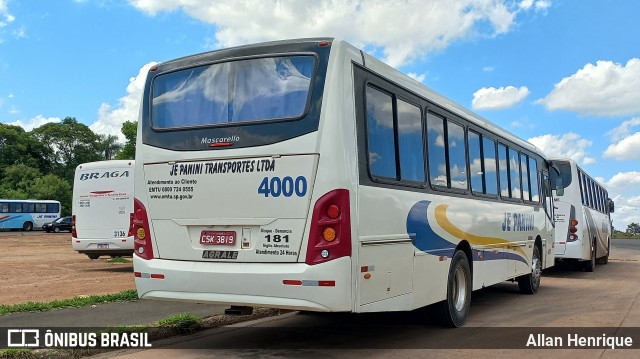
(375, 65)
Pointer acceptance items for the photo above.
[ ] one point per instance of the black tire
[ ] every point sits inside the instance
(27, 226)
(590, 265)
(529, 283)
(453, 311)
(93, 256)
(605, 259)
(56, 229)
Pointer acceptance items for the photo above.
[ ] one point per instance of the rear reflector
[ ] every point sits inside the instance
(310, 283)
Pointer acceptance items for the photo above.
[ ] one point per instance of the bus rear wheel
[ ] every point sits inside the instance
(529, 283)
(27, 226)
(605, 259)
(590, 265)
(453, 311)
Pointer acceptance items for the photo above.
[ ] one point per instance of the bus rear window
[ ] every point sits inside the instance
(239, 91)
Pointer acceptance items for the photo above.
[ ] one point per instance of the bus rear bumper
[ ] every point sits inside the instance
(298, 286)
(103, 245)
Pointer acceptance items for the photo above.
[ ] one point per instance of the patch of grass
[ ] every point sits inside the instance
(79, 301)
(118, 260)
(16, 353)
(180, 324)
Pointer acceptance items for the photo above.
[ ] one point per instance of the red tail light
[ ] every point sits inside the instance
(139, 229)
(74, 233)
(572, 237)
(330, 233)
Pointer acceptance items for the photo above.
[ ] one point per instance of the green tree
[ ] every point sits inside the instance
(19, 147)
(633, 229)
(68, 144)
(129, 130)
(17, 181)
(24, 182)
(53, 187)
(109, 146)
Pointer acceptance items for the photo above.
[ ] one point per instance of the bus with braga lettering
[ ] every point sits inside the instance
(101, 210)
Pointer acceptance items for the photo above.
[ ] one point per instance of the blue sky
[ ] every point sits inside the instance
(563, 74)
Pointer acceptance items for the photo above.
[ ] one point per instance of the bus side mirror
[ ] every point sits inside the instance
(559, 187)
(612, 206)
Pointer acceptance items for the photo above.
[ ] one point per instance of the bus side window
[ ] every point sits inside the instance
(457, 156)
(504, 171)
(533, 176)
(436, 150)
(380, 135)
(410, 146)
(475, 160)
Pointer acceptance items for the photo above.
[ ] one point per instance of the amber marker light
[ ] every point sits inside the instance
(329, 234)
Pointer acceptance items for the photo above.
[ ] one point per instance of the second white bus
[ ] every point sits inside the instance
(102, 206)
(582, 216)
(308, 175)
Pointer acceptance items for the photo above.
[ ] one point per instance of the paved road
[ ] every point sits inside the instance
(607, 300)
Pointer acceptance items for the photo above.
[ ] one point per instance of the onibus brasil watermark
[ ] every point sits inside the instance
(47, 338)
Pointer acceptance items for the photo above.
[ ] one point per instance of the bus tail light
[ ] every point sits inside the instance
(572, 237)
(139, 229)
(74, 233)
(330, 232)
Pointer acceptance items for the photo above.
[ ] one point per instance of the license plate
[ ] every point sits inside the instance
(103, 245)
(218, 238)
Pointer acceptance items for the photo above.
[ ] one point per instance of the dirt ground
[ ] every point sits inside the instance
(40, 267)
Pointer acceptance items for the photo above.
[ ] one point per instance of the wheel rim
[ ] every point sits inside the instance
(459, 289)
(537, 269)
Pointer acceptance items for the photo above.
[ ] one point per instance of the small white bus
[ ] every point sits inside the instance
(582, 215)
(308, 175)
(27, 214)
(102, 206)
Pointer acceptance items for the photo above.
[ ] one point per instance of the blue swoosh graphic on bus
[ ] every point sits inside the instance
(426, 239)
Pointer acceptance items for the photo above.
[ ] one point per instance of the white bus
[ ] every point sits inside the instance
(27, 214)
(102, 206)
(308, 175)
(582, 215)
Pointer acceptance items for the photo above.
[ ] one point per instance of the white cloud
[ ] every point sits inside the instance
(625, 179)
(627, 211)
(35, 122)
(111, 119)
(626, 149)
(605, 89)
(569, 145)
(624, 130)
(491, 98)
(403, 30)
(622, 188)
(539, 5)
(415, 76)
(5, 17)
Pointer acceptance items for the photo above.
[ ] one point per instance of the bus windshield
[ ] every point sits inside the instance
(245, 90)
